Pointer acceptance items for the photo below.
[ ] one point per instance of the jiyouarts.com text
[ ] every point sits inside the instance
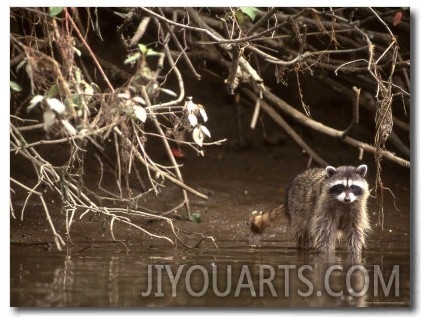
(267, 280)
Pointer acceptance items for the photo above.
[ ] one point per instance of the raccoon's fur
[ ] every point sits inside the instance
(323, 205)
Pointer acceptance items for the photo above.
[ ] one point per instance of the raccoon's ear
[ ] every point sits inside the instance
(330, 171)
(362, 170)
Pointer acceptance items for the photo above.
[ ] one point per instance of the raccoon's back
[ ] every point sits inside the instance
(295, 206)
(302, 194)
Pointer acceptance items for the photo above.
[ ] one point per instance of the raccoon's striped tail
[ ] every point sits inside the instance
(259, 220)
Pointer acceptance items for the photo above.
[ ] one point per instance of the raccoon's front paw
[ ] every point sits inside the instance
(355, 244)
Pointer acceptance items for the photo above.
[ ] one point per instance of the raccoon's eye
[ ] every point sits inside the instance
(337, 189)
(356, 190)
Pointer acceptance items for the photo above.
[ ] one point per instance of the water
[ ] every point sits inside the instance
(234, 275)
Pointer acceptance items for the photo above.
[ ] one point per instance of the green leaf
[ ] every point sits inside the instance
(54, 11)
(249, 11)
(195, 217)
(147, 51)
(227, 16)
(15, 86)
(132, 58)
(53, 91)
(151, 52)
(23, 143)
(76, 101)
(143, 48)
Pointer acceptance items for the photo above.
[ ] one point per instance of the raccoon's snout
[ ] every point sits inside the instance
(349, 197)
(346, 197)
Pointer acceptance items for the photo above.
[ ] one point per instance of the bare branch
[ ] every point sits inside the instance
(304, 120)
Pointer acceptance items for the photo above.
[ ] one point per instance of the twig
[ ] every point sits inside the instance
(12, 210)
(347, 63)
(301, 57)
(188, 143)
(385, 52)
(58, 239)
(257, 80)
(382, 21)
(355, 118)
(69, 222)
(118, 165)
(122, 220)
(31, 127)
(173, 210)
(254, 118)
(99, 183)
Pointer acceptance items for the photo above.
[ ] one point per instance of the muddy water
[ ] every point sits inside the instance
(242, 272)
(236, 274)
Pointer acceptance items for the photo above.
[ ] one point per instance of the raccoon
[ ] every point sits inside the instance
(323, 205)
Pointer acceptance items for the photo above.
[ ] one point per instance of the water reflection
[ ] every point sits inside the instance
(228, 276)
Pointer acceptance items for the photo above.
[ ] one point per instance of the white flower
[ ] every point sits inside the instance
(69, 128)
(34, 102)
(56, 105)
(140, 113)
(192, 119)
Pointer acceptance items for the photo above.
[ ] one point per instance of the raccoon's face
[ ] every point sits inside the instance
(347, 184)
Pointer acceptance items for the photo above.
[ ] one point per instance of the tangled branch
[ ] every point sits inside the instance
(76, 113)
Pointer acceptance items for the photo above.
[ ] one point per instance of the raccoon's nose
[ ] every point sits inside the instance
(347, 198)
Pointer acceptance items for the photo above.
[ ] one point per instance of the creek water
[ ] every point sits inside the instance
(242, 271)
(236, 274)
